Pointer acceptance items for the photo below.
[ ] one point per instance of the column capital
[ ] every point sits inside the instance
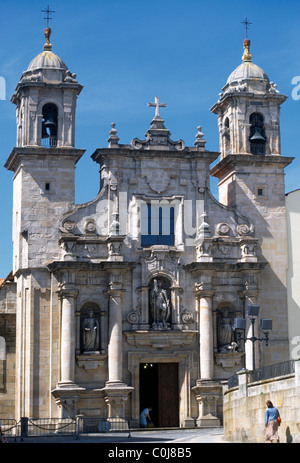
(203, 290)
(112, 292)
(67, 291)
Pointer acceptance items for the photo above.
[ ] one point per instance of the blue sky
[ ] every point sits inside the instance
(126, 52)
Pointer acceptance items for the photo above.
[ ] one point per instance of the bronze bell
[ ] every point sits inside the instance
(257, 135)
(50, 123)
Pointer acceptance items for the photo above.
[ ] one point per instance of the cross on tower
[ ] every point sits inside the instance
(246, 24)
(157, 105)
(48, 11)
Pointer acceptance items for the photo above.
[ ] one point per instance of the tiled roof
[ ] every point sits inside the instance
(8, 278)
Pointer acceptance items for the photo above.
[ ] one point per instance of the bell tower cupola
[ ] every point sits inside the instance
(249, 111)
(46, 99)
(44, 158)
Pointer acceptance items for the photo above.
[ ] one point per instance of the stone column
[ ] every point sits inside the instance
(115, 354)
(67, 393)
(68, 337)
(115, 390)
(206, 335)
(207, 391)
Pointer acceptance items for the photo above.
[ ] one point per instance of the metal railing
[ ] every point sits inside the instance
(9, 428)
(50, 142)
(96, 425)
(233, 381)
(263, 373)
(46, 427)
(272, 371)
(31, 427)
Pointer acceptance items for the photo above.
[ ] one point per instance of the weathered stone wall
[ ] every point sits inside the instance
(7, 350)
(244, 408)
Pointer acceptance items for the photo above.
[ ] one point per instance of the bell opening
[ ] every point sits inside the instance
(49, 126)
(257, 134)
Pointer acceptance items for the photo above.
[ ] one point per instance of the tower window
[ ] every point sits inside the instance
(227, 135)
(47, 186)
(49, 126)
(157, 225)
(257, 134)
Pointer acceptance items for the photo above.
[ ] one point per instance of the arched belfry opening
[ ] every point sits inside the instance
(257, 134)
(49, 125)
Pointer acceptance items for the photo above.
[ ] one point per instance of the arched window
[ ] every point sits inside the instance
(257, 134)
(227, 135)
(49, 126)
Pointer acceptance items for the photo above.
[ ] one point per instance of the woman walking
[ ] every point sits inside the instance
(271, 422)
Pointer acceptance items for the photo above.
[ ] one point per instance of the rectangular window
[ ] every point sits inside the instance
(157, 225)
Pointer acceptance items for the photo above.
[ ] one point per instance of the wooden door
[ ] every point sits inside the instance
(168, 396)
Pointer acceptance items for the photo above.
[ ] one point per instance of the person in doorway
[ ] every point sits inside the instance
(271, 422)
(145, 417)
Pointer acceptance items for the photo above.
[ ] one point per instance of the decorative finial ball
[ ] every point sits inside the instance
(247, 42)
(47, 33)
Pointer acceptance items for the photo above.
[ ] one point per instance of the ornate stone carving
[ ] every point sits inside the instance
(244, 229)
(229, 360)
(187, 317)
(158, 181)
(90, 226)
(160, 262)
(223, 229)
(69, 226)
(133, 317)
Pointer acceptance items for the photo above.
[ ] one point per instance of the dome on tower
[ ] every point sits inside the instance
(247, 76)
(47, 60)
(247, 70)
(47, 66)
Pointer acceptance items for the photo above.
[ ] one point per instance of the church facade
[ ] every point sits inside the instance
(129, 300)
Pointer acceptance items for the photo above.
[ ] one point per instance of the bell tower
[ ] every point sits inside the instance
(45, 156)
(46, 101)
(249, 111)
(251, 178)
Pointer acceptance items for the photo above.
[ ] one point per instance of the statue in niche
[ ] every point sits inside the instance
(225, 333)
(160, 306)
(90, 332)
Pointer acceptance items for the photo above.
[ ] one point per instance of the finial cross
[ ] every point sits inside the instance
(157, 105)
(246, 24)
(48, 11)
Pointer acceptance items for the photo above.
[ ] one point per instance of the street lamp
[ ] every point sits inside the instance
(239, 324)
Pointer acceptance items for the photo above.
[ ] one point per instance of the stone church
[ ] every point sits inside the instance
(129, 300)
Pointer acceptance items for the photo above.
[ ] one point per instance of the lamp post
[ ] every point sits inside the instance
(239, 324)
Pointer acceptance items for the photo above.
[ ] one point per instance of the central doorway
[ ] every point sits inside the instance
(159, 389)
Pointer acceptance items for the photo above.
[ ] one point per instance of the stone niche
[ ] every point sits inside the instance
(227, 352)
(90, 352)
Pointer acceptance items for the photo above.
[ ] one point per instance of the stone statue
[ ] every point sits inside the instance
(225, 333)
(90, 334)
(160, 307)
